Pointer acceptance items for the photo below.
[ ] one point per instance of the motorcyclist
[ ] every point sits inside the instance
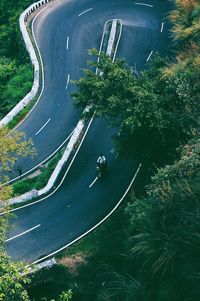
(101, 160)
(101, 164)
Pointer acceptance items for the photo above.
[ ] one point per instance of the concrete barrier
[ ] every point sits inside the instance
(111, 38)
(22, 23)
(72, 142)
(24, 197)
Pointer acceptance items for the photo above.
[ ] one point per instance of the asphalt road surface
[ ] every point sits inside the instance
(76, 206)
(64, 32)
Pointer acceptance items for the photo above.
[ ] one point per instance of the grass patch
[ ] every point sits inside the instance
(20, 116)
(106, 36)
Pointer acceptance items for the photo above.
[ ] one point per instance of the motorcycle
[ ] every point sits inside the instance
(100, 169)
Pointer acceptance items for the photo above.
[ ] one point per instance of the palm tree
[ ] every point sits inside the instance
(186, 21)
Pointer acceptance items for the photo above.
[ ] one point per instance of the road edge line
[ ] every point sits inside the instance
(94, 227)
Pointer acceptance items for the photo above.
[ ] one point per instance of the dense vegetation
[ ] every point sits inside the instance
(12, 146)
(16, 74)
(149, 250)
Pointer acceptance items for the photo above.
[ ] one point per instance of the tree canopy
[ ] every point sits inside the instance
(154, 113)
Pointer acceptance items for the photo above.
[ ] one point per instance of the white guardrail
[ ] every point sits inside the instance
(22, 23)
(73, 140)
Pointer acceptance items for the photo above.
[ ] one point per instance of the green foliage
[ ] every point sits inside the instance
(11, 43)
(12, 277)
(66, 296)
(16, 88)
(150, 252)
(12, 146)
(159, 261)
(154, 113)
(140, 213)
(16, 74)
(168, 247)
(11, 280)
(20, 116)
(185, 21)
(7, 69)
(50, 284)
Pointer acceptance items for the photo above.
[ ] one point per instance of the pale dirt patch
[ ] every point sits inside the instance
(34, 174)
(73, 262)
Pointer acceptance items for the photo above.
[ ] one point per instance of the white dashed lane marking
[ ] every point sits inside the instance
(85, 11)
(93, 182)
(68, 79)
(144, 4)
(149, 55)
(162, 26)
(18, 235)
(42, 127)
(67, 43)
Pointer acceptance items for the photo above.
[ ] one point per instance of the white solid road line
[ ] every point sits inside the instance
(94, 227)
(67, 44)
(144, 4)
(85, 11)
(162, 25)
(93, 182)
(42, 127)
(68, 79)
(149, 55)
(22, 233)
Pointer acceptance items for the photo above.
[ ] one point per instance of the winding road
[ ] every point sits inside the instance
(64, 32)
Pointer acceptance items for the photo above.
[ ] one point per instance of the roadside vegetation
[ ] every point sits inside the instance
(149, 249)
(12, 146)
(16, 72)
(13, 276)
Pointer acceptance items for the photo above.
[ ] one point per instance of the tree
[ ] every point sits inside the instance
(13, 145)
(149, 112)
(166, 243)
(185, 21)
(13, 276)
(12, 280)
